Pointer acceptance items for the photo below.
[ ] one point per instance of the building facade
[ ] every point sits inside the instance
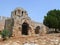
(21, 24)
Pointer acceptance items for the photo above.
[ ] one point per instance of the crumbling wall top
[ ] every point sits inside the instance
(19, 8)
(3, 18)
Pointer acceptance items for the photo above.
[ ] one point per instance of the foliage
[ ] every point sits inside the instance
(5, 34)
(52, 20)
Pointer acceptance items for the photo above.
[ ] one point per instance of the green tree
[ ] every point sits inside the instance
(52, 20)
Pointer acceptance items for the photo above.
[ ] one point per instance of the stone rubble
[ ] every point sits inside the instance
(35, 40)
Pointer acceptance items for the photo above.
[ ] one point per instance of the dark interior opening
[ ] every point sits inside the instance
(22, 13)
(37, 29)
(25, 27)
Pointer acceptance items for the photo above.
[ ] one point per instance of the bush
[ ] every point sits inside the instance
(5, 34)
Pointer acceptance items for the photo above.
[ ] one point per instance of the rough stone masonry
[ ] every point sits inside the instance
(22, 27)
(21, 24)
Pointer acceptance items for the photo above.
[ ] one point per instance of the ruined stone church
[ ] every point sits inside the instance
(20, 24)
(25, 31)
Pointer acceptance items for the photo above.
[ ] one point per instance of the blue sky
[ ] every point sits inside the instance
(36, 9)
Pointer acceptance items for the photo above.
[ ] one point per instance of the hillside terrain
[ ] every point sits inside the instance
(48, 39)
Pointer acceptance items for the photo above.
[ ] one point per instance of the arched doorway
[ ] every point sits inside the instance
(25, 27)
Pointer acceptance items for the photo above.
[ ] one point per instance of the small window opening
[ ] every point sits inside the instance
(22, 13)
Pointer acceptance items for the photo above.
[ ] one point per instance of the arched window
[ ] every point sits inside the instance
(22, 13)
(37, 29)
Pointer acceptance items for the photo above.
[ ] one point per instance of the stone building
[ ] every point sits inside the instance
(26, 31)
(21, 24)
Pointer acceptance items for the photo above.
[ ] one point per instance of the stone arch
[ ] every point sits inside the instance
(26, 21)
(25, 28)
(37, 30)
(30, 29)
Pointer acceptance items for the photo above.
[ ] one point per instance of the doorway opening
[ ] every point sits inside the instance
(25, 27)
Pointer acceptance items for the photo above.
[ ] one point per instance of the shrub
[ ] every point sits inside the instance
(5, 34)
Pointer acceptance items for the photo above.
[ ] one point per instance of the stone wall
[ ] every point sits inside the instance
(2, 18)
(9, 23)
(18, 17)
(14, 24)
(2, 22)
